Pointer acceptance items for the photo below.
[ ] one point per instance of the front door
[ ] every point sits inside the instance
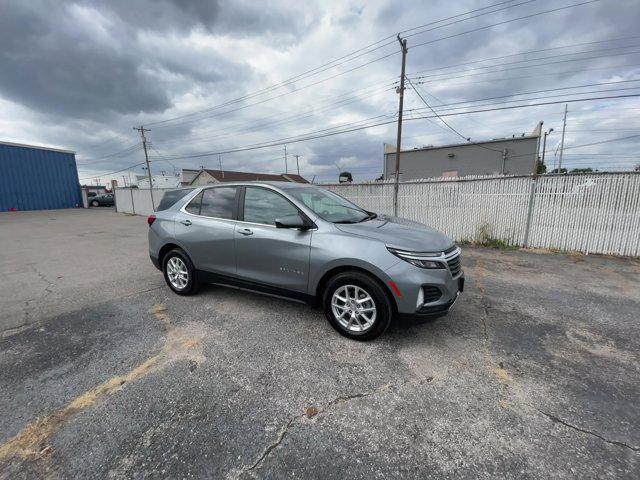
(206, 230)
(268, 255)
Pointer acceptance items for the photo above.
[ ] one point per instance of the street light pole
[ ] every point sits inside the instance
(564, 127)
(544, 144)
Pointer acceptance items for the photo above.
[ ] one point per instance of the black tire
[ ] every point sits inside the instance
(192, 280)
(95, 204)
(384, 309)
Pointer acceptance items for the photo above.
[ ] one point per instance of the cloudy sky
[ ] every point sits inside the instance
(213, 76)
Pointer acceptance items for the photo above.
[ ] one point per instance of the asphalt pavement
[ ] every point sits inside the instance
(104, 373)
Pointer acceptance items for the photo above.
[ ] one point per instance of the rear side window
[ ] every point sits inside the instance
(194, 205)
(218, 202)
(171, 197)
(264, 206)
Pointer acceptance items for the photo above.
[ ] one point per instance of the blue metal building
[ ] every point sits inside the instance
(37, 178)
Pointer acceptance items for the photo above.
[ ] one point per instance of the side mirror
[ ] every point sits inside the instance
(293, 221)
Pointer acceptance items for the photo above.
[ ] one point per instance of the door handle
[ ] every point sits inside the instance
(185, 222)
(245, 231)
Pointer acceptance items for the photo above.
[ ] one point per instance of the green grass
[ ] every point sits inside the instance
(485, 239)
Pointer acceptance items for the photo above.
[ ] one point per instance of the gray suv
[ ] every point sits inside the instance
(303, 242)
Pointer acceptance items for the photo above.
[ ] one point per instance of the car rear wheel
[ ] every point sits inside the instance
(357, 306)
(179, 272)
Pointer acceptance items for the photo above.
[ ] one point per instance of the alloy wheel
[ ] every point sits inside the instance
(177, 273)
(353, 308)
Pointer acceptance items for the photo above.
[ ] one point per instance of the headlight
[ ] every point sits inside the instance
(419, 259)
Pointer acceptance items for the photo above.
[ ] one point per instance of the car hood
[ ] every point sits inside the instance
(400, 233)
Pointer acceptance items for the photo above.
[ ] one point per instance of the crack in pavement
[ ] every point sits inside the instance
(483, 301)
(265, 453)
(310, 412)
(555, 419)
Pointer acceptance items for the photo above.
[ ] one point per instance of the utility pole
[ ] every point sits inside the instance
(141, 129)
(297, 163)
(564, 127)
(286, 168)
(220, 162)
(403, 46)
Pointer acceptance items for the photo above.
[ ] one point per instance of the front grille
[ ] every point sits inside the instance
(453, 261)
(431, 293)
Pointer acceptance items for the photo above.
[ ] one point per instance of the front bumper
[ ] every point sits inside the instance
(413, 287)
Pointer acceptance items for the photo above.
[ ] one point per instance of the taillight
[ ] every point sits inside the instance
(151, 219)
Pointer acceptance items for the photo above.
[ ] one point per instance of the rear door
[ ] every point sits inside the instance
(265, 254)
(205, 228)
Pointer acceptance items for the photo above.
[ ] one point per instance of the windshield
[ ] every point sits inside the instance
(330, 206)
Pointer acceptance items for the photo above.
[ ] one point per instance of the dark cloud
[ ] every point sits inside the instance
(87, 58)
(84, 72)
(53, 65)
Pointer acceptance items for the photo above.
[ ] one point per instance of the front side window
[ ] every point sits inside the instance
(264, 206)
(218, 202)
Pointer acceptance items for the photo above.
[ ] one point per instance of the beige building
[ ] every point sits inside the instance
(501, 156)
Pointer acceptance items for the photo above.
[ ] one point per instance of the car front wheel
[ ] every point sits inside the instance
(179, 272)
(357, 306)
(95, 203)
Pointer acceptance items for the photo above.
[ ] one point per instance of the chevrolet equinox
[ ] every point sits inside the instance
(303, 242)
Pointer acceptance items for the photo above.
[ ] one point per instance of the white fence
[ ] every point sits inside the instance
(593, 213)
(138, 200)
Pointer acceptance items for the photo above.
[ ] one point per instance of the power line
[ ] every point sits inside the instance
(529, 99)
(504, 22)
(468, 139)
(343, 102)
(454, 75)
(529, 76)
(370, 48)
(573, 45)
(332, 64)
(354, 98)
(122, 153)
(312, 136)
(603, 141)
(368, 63)
(541, 91)
(111, 173)
(287, 119)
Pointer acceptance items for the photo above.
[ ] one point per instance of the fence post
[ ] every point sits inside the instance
(133, 205)
(527, 228)
(534, 183)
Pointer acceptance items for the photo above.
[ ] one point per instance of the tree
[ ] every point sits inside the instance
(582, 170)
(540, 167)
(345, 177)
(637, 169)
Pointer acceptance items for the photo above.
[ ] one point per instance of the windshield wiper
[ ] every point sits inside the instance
(370, 216)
